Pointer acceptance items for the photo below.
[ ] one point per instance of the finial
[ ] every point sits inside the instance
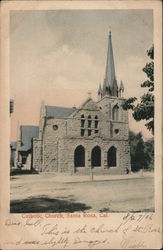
(109, 30)
(99, 89)
(121, 86)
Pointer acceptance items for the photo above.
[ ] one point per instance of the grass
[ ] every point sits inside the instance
(45, 204)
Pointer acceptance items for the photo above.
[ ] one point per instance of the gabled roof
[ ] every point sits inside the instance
(58, 112)
(89, 104)
(27, 133)
(13, 145)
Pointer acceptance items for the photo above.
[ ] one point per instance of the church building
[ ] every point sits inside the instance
(92, 136)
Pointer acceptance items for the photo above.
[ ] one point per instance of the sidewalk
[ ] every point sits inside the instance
(67, 178)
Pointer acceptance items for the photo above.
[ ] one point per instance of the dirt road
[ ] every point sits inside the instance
(48, 192)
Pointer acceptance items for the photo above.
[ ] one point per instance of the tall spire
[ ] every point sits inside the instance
(110, 69)
(110, 86)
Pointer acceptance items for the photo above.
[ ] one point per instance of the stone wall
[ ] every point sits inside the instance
(74, 123)
(61, 136)
(106, 105)
(36, 156)
(68, 146)
(50, 156)
(54, 130)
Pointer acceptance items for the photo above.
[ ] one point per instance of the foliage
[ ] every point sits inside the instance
(149, 154)
(144, 110)
(142, 153)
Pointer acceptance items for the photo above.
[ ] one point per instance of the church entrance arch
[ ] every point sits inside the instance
(112, 157)
(79, 156)
(96, 157)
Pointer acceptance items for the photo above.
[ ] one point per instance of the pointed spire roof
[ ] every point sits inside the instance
(99, 89)
(110, 86)
(121, 88)
(110, 69)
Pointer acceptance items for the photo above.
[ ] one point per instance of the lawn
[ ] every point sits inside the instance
(50, 192)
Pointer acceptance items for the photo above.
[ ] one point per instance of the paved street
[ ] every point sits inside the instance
(50, 192)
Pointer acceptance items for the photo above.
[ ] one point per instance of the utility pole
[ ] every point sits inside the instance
(91, 173)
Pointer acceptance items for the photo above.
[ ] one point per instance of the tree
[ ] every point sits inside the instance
(136, 151)
(142, 153)
(144, 110)
(149, 154)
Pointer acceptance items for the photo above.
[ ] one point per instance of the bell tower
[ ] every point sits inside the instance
(110, 95)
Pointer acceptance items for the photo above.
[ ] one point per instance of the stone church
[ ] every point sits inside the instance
(93, 136)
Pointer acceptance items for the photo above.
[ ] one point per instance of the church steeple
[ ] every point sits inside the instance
(110, 86)
(110, 69)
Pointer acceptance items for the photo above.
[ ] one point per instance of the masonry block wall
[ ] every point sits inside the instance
(37, 154)
(61, 136)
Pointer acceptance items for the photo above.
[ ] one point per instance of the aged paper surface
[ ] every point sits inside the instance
(94, 230)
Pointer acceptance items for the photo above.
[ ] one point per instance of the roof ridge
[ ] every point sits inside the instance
(36, 126)
(87, 100)
(59, 107)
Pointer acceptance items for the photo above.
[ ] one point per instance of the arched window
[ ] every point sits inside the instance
(82, 131)
(89, 121)
(110, 113)
(96, 157)
(79, 156)
(89, 132)
(82, 121)
(89, 125)
(112, 157)
(115, 113)
(96, 122)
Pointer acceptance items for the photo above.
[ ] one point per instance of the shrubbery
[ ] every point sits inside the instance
(142, 152)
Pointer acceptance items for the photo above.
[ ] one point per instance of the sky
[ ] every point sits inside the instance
(58, 56)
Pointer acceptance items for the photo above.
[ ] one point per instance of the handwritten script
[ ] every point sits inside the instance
(36, 231)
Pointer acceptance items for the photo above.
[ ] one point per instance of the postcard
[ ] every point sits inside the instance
(81, 125)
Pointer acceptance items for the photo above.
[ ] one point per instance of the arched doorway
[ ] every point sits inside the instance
(96, 157)
(111, 157)
(79, 156)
